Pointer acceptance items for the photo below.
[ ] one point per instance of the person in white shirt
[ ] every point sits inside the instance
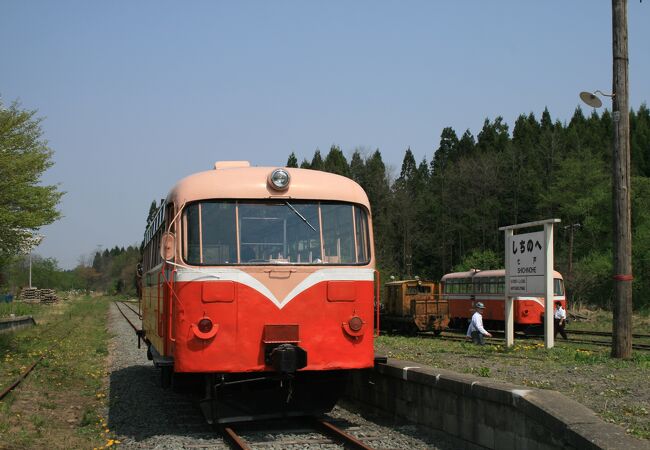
(560, 320)
(475, 329)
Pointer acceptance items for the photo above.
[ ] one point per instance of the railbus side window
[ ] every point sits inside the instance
(558, 287)
(468, 285)
(492, 285)
(500, 285)
(193, 234)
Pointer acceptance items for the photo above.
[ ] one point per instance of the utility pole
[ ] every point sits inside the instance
(622, 325)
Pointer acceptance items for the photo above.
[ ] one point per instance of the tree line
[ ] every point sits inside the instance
(443, 215)
(112, 271)
(431, 218)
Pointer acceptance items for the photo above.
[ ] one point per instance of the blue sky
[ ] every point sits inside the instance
(136, 95)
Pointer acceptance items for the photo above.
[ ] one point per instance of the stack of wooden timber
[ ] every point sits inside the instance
(48, 296)
(35, 295)
(30, 295)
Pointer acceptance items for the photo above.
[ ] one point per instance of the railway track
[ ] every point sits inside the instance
(236, 439)
(131, 308)
(148, 417)
(606, 333)
(456, 336)
(25, 373)
(117, 304)
(299, 433)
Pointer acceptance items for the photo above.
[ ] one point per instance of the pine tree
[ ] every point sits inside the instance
(335, 162)
(317, 161)
(447, 151)
(357, 168)
(292, 161)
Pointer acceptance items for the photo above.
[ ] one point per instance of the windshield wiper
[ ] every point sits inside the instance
(300, 215)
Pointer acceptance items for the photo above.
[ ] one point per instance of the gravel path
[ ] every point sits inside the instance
(142, 415)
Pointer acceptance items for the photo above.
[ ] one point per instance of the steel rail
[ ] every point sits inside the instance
(234, 439)
(131, 308)
(345, 438)
(605, 333)
(22, 376)
(27, 371)
(19, 380)
(127, 319)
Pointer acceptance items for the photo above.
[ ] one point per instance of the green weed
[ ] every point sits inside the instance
(74, 343)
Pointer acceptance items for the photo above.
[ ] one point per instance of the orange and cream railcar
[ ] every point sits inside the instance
(463, 289)
(262, 280)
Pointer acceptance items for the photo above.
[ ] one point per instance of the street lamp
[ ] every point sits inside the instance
(592, 99)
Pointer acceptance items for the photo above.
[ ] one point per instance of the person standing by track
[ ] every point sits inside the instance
(559, 320)
(476, 331)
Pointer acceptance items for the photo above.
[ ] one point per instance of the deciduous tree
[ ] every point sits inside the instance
(25, 204)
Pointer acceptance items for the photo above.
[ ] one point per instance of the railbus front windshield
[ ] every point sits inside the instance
(272, 232)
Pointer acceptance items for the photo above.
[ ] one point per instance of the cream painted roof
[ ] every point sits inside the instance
(486, 273)
(251, 182)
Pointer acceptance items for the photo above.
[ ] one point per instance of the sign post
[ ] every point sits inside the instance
(549, 312)
(529, 271)
(509, 315)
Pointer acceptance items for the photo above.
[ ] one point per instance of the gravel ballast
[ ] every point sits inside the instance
(143, 415)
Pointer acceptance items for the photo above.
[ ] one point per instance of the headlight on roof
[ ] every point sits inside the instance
(279, 179)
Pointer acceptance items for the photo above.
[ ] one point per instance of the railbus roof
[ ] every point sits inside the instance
(476, 273)
(398, 282)
(240, 182)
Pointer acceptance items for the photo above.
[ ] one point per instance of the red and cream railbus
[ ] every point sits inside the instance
(261, 280)
(463, 289)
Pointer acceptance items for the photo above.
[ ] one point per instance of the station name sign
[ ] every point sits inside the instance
(526, 264)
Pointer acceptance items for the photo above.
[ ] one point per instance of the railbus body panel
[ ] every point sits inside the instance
(241, 313)
(464, 289)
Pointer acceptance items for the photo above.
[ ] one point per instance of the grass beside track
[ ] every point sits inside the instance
(60, 404)
(22, 309)
(616, 390)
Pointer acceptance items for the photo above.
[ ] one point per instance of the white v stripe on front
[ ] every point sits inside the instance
(239, 276)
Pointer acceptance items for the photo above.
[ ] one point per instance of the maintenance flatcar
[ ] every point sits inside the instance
(262, 281)
(464, 289)
(414, 305)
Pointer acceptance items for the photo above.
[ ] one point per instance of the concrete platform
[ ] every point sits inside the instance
(8, 324)
(485, 413)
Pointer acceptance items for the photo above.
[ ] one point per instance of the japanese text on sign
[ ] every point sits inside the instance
(526, 263)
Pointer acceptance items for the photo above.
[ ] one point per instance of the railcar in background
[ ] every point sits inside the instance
(414, 305)
(463, 289)
(262, 282)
